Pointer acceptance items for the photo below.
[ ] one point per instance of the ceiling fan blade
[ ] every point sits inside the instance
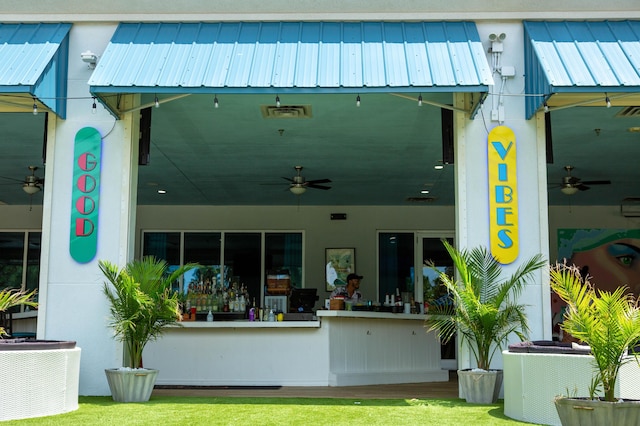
(318, 186)
(13, 179)
(287, 179)
(581, 187)
(596, 182)
(313, 182)
(572, 180)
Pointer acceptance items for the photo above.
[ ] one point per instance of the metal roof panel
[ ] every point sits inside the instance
(33, 60)
(146, 57)
(589, 56)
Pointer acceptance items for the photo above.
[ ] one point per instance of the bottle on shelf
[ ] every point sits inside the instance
(210, 316)
(272, 315)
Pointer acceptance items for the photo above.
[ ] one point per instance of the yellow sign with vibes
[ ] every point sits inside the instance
(503, 194)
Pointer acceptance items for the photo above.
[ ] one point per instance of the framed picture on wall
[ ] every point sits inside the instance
(339, 262)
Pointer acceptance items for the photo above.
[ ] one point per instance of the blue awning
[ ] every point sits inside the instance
(570, 58)
(311, 57)
(33, 64)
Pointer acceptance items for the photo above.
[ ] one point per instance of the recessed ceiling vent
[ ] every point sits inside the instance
(286, 111)
(631, 111)
(421, 199)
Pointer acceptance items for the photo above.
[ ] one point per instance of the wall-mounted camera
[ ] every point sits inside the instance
(89, 58)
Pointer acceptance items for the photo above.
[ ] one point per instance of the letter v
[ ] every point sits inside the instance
(500, 149)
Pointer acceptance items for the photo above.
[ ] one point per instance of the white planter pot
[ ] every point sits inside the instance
(39, 378)
(480, 387)
(131, 385)
(587, 412)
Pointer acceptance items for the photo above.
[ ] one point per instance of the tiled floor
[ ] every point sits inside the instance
(404, 391)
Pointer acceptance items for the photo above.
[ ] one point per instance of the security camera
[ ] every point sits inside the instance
(90, 58)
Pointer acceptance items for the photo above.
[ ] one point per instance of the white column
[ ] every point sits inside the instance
(472, 196)
(72, 304)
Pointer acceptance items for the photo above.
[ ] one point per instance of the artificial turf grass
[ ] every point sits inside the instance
(165, 410)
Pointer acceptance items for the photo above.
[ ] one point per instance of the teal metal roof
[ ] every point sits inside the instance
(33, 60)
(580, 57)
(269, 57)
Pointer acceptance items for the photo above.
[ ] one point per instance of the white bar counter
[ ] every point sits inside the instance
(340, 348)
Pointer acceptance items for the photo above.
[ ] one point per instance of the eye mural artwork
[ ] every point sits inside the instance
(83, 243)
(503, 194)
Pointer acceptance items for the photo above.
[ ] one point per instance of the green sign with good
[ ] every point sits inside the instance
(86, 195)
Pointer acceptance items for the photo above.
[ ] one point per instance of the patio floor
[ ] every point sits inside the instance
(402, 391)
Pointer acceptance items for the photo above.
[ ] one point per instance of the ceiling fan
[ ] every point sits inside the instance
(298, 185)
(572, 184)
(31, 183)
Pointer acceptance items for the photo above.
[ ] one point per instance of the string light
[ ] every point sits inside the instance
(278, 101)
(546, 107)
(358, 101)
(607, 100)
(157, 102)
(420, 100)
(35, 107)
(215, 101)
(94, 107)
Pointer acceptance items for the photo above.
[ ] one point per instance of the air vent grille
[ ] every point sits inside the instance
(631, 111)
(286, 111)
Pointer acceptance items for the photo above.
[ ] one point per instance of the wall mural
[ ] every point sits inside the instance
(611, 258)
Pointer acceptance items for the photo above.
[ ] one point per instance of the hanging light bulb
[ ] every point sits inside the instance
(215, 101)
(358, 101)
(420, 100)
(35, 107)
(94, 107)
(607, 100)
(546, 107)
(157, 102)
(278, 101)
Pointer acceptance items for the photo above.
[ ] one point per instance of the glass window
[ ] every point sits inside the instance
(20, 268)
(242, 260)
(203, 248)
(163, 245)
(242, 255)
(283, 254)
(11, 259)
(33, 261)
(395, 263)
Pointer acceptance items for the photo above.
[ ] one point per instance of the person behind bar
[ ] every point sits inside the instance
(351, 290)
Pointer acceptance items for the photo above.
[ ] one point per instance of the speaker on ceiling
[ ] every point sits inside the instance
(447, 135)
(548, 137)
(144, 143)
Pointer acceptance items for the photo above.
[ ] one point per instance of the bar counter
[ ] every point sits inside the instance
(339, 348)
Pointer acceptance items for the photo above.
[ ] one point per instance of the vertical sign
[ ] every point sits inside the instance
(85, 195)
(503, 194)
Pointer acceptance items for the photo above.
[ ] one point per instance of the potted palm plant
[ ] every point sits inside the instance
(142, 304)
(483, 311)
(609, 322)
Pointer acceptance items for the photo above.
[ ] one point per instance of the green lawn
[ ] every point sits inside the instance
(161, 411)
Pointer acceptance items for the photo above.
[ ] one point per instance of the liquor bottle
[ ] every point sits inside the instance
(272, 315)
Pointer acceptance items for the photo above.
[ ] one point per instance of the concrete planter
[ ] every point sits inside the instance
(131, 385)
(40, 378)
(480, 387)
(587, 412)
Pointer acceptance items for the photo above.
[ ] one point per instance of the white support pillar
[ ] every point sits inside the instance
(472, 207)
